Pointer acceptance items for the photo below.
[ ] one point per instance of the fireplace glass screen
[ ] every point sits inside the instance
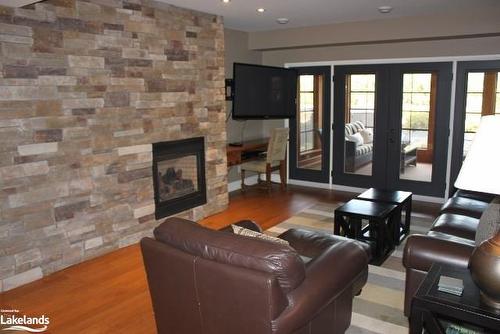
(178, 175)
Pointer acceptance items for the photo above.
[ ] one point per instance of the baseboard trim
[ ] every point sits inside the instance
(252, 180)
(309, 184)
(357, 190)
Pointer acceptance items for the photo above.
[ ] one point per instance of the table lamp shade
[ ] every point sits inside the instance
(481, 168)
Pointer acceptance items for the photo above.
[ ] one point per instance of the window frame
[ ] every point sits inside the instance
(297, 171)
(427, 151)
(348, 105)
(316, 145)
(463, 68)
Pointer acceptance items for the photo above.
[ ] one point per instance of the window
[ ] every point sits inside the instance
(306, 97)
(359, 107)
(417, 97)
(310, 111)
(497, 97)
(308, 142)
(481, 99)
(361, 99)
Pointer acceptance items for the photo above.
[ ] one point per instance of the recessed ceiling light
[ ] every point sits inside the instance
(226, 1)
(385, 9)
(261, 10)
(282, 20)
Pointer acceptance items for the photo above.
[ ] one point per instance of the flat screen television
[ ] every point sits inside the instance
(263, 92)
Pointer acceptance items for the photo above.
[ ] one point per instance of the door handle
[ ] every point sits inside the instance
(392, 132)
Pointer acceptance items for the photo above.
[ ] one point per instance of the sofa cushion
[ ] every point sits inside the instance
(450, 237)
(489, 223)
(367, 135)
(474, 195)
(277, 259)
(457, 225)
(364, 149)
(352, 128)
(259, 165)
(246, 223)
(356, 138)
(464, 206)
(249, 233)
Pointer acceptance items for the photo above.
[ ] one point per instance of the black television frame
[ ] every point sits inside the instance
(261, 117)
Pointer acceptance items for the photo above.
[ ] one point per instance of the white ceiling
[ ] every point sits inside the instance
(242, 14)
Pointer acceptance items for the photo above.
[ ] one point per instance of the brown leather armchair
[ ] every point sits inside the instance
(216, 282)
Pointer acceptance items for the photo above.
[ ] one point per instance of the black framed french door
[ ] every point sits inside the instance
(310, 129)
(391, 126)
(477, 94)
(420, 118)
(360, 104)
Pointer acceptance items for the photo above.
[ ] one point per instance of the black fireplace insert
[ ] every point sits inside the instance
(179, 175)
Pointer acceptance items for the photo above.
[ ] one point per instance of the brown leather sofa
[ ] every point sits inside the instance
(450, 240)
(216, 282)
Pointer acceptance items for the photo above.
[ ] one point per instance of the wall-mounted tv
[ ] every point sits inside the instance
(263, 92)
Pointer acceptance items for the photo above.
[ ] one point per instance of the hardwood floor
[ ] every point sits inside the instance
(109, 294)
(271, 209)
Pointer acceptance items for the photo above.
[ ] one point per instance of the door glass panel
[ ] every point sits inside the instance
(359, 123)
(497, 97)
(310, 122)
(417, 126)
(482, 98)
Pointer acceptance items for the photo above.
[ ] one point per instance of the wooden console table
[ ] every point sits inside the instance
(249, 150)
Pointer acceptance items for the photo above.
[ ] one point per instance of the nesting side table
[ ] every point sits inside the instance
(402, 199)
(378, 233)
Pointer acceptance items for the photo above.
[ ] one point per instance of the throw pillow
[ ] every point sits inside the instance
(249, 233)
(367, 136)
(489, 223)
(356, 138)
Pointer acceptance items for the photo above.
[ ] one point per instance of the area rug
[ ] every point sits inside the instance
(379, 308)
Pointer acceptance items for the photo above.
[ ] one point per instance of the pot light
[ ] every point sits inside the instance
(282, 20)
(225, 1)
(385, 9)
(261, 10)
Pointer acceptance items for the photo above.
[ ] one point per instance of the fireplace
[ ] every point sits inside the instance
(178, 175)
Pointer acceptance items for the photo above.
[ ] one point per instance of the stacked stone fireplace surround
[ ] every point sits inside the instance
(85, 88)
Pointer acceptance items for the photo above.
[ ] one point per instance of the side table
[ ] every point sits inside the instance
(402, 199)
(431, 308)
(380, 216)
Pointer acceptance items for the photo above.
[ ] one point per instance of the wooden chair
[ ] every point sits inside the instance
(275, 160)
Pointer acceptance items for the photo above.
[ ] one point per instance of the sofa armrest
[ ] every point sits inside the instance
(350, 148)
(324, 282)
(312, 243)
(421, 251)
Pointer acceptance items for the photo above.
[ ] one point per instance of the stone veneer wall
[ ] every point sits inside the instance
(85, 88)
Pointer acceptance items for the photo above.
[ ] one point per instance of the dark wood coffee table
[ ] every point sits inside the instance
(378, 231)
(402, 199)
(432, 309)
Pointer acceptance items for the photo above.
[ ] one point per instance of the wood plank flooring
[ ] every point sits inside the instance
(109, 294)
